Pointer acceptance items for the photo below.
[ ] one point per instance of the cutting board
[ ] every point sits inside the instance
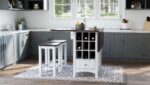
(147, 26)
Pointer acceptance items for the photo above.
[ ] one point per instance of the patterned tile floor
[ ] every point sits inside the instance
(107, 73)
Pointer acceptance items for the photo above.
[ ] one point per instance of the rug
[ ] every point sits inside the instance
(107, 74)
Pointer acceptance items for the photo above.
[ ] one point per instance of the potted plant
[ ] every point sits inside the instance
(124, 24)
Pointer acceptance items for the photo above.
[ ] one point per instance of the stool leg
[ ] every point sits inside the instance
(40, 62)
(60, 58)
(54, 62)
(46, 57)
(65, 53)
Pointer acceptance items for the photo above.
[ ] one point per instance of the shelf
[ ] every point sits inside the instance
(86, 36)
(137, 4)
(85, 55)
(79, 45)
(85, 45)
(92, 55)
(92, 36)
(92, 45)
(28, 5)
(79, 54)
(79, 36)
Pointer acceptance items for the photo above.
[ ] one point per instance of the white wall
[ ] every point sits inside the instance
(45, 20)
(7, 17)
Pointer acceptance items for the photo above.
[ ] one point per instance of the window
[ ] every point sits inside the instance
(85, 8)
(109, 8)
(63, 8)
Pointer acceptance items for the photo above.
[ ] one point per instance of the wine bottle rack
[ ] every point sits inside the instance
(86, 52)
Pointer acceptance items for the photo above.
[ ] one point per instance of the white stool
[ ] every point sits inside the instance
(64, 49)
(62, 55)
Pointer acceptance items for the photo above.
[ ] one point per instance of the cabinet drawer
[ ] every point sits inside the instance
(85, 64)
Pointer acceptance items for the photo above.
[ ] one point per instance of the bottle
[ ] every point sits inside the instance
(77, 26)
(82, 26)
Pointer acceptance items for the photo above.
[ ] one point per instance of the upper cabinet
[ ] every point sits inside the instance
(24, 4)
(137, 4)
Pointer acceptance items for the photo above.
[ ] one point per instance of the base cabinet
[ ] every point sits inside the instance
(2, 63)
(8, 50)
(126, 46)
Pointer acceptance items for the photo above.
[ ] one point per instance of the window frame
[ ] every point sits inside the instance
(94, 11)
(54, 11)
(97, 10)
(110, 18)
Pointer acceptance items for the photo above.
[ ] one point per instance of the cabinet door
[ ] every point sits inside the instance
(1, 53)
(117, 45)
(106, 47)
(128, 4)
(8, 49)
(137, 46)
(4, 4)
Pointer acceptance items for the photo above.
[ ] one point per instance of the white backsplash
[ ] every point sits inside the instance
(7, 18)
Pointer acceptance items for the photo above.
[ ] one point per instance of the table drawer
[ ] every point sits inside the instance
(85, 64)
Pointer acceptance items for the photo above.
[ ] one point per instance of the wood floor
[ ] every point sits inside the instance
(135, 74)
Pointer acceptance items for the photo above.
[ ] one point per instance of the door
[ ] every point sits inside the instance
(1, 53)
(8, 50)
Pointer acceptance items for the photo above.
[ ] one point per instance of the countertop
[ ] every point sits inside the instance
(113, 31)
(3, 33)
(48, 30)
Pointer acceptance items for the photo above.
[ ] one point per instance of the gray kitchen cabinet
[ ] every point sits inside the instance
(4, 5)
(113, 46)
(106, 46)
(117, 45)
(137, 46)
(40, 37)
(2, 64)
(8, 50)
(126, 46)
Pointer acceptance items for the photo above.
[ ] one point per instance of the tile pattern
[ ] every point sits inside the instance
(107, 73)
